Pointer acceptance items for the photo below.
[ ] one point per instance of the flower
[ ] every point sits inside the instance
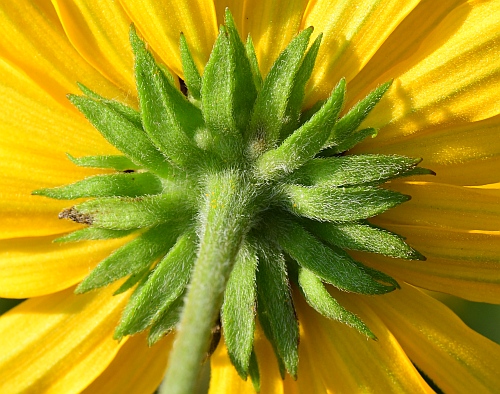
(444, 59)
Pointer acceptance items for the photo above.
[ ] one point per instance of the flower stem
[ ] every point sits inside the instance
(225, 221)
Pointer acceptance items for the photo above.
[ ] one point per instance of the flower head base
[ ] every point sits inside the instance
(235, 190)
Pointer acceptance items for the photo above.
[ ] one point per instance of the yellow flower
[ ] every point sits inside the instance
(443, 106)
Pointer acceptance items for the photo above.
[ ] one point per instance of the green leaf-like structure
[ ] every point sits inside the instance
(236, 197)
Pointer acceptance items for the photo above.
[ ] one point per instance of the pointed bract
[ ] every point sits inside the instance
(228, 91)
(115, 162)
(238, 309)
(166, 283)
(364, 237)
(330, 264)
(192, 76)
(353, 119)
(128, 113)
(254, 64)
(119, 185)
(167, 116)
(123, 134)
(133, 279)
(318, 297)
(166, 321)
(245, 91)
(339, 204)
(253, 371)
(353, 170)
(269, 114)
(93, 233)
(295, 101)
(305, 142)
(351, 141)
(131, 258)
(116, 213)
(276, 312)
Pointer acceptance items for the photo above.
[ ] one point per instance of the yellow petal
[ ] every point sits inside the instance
(237, 10)
(404, 41)
(24, 215)
(461, 263)
(333, 358)
(223, 375)
(161, 22)
(492, 188)
(272, 25)
(353, 31)
(445, 206)
(451, 79)
(36, 132)
(346, 361)
(33, 267)
(58, 343)
(136, 369)
(474, 246)
(465, 154)
(456, 358)
(32, 119)
(225, 379)
(474, 173)
(33, 40)
(99, 32)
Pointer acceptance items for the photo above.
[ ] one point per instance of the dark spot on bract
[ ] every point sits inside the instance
(74, 215)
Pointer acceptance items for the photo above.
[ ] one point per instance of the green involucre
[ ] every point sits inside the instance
(234, 189)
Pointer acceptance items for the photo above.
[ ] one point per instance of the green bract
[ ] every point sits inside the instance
(234, 191)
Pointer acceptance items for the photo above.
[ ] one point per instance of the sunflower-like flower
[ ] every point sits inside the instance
(250, 190)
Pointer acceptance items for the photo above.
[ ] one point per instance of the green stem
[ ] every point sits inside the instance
(224, 222)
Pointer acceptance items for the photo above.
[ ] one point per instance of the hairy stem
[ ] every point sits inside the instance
(224, 222)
